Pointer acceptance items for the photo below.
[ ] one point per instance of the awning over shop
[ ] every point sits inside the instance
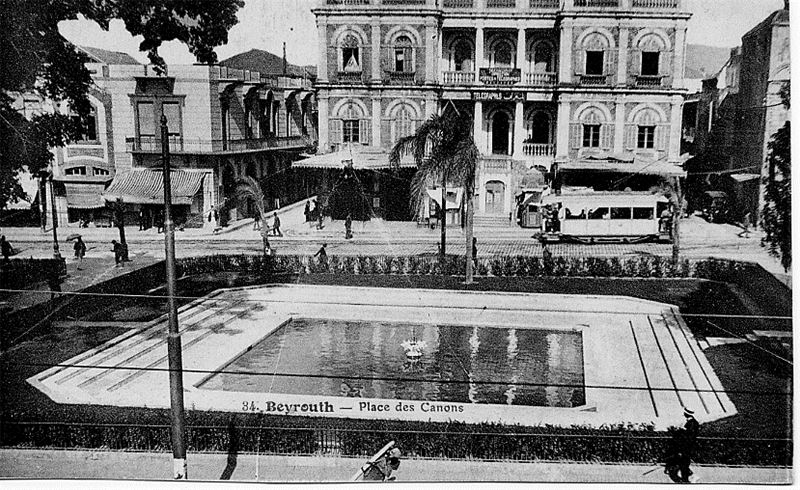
(454, 195)
(85, 195)
(635, 167)
(146, 186)
(362, 158)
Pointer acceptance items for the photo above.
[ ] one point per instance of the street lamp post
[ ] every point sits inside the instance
(56, 252)
(174, 338)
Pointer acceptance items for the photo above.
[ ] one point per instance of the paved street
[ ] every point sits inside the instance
(248, 467)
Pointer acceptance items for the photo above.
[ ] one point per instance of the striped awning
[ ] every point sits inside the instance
(146, 186)
(85, 195)
(362, 158)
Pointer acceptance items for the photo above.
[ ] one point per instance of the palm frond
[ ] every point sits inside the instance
(248, 187)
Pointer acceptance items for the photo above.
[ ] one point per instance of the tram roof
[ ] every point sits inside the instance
(620, 199)
(642, 167)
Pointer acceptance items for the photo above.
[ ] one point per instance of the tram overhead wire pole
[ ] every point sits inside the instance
(178, 425)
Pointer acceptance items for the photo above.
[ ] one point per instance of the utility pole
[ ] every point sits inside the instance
(174, 338)
(56, 252)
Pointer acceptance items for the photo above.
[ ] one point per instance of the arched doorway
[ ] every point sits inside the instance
(539, 129)
(500, 128)
(495, 197)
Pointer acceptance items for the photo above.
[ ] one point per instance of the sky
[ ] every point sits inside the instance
(267, 24)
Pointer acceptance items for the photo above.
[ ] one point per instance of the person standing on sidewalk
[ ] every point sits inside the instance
(348, 227)
(80, 251)
(475, 253)
(5, 248)
(257, 220)
(276, 225)
(117, 249)
(745, 227)
(322, 253)
(307, 211)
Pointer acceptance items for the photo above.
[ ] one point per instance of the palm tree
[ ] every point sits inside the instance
(444, 152)
(248, 187)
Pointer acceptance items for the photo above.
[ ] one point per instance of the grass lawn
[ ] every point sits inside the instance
(741, 367)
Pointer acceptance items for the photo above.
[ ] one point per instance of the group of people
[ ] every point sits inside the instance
(550, 219)
(313, 213)
(275, 229)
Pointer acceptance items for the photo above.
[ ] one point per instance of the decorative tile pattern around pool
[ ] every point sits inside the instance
(336, 351)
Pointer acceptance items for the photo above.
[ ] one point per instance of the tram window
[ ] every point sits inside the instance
(643, 213)
(599, 213)
(620, 213)
(568, 214)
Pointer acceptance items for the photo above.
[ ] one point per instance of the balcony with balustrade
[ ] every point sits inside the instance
(537, 79)
(458, 77)
(178, 144)
(628, 5)
(508, 5)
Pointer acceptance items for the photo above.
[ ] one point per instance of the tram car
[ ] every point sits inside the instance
(591, 217)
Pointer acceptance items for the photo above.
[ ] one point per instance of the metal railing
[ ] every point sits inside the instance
(538, 149)
(501, 4)
(544, 4)
(656, 4)
(538, 79)
(458, 77)
(596, 3)
(177, 144)
(457, 4)
(349, 77)
(406, 77)
(648, 80)
(594, 80)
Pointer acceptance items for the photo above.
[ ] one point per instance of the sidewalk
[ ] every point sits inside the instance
(56, 464)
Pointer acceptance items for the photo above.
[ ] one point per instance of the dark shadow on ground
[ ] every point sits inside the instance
(233, 450)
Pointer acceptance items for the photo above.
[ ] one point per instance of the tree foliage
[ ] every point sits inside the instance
(445, 153)
(38, 60)
(777, 213)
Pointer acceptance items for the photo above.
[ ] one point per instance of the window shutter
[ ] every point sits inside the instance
(661, 137)
(576, 135)
(636, 65)
(335, 131)
(631, 133)
(580, 62)
(364, 132)
(610, 61)
(607, 136)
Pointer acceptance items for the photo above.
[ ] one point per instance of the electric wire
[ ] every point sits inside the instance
(238, 372)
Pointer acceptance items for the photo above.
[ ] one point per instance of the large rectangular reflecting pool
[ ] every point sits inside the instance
(487, 365)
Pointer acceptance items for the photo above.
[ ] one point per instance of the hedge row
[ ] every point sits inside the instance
(20, 273)
(452, 440)
(453, 265)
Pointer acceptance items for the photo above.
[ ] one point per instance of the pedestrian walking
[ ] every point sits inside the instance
(547, 255)
(319, 218)
(679, 459)
(276, 225)
(348, 227)
(322, 253)
(474, 252)
(265, 242)
(160, 221)
(80, 251)
(745, 226)
(117, 249)
(6, 248)
(257, 220)
(141, 219)
(307, 211)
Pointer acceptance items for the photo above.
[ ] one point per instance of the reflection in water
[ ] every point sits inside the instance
(460, 364)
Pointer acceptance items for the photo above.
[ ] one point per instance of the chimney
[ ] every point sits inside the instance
(284, 58)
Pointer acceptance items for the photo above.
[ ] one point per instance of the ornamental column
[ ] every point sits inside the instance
(565, 54)
(521, 50)
(619, 127)
(519, 130)
(376, 53)
(622, 58)
(322, 51)
(323, 123)
(477, 129)
(562, 130)
(478, 52)
(376, 121)
(676, 117)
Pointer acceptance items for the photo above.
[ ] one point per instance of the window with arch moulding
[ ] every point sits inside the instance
(350, 55)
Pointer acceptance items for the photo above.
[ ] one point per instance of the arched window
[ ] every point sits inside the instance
(592, 124)
(403, 55)
(503, 54)
(539, 129)
(597, 51)
(403, 122)
(88, 126)
(350, 54)
(543, 58)
(461, 56)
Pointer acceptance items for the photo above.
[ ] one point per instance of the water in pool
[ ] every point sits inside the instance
(459, 363)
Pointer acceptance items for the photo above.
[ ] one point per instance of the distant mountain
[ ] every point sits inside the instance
(705, 61)
(267, 63)
(107, 57)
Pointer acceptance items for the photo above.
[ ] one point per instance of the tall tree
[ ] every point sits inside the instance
(445, 153)
(38, 60)
(776, 217)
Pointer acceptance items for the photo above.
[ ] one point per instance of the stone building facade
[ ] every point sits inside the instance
(549, 83)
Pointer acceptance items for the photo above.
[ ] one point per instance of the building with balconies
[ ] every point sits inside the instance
(223, 124)
(572, 89)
